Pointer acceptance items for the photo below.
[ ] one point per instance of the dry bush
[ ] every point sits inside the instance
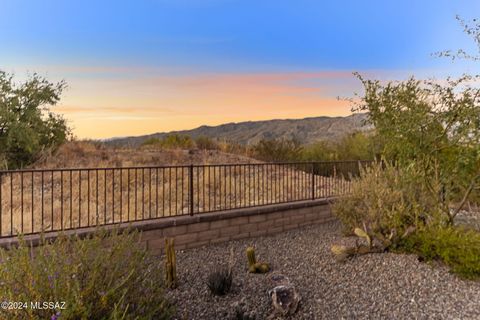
(106, 276)
(387, 199)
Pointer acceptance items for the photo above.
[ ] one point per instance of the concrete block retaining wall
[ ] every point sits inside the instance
(208, 228)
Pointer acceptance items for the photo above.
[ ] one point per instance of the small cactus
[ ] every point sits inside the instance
(341, 252)
(363, 234)
(170, 264)
(251, 259)
(253, 265)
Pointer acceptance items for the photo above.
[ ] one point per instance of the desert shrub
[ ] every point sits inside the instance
(27, 126)
(277, 150)
(171, 141)
(431, 127)
(152, 142)
(220, 281)
(457, 247)
(177, 141)
(319, 151)
(105, 276)
(233, 147)
(355, 146)
(206, 143)
(386, 199)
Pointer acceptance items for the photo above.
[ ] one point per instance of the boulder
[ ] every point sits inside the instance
(285, 298)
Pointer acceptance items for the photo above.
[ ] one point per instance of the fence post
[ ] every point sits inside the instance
(313, 183)
(190, 185)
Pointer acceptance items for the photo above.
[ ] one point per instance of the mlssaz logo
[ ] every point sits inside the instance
(45, 305)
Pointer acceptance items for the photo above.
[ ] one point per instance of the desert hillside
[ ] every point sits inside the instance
(87, 154)
(307, 130)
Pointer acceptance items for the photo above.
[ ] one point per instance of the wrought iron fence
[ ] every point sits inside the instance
(33, 201)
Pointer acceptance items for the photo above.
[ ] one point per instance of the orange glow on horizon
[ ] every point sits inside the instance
(119, 106)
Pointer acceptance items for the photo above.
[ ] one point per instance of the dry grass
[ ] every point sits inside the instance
(58, 200)
(83, 154)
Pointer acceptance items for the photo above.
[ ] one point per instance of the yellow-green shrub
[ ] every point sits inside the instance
(386, 198)
(105, 276)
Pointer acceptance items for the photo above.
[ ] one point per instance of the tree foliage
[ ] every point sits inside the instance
(434, 127)
(27, 126)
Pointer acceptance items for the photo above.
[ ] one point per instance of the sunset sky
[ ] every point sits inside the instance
(137, 67)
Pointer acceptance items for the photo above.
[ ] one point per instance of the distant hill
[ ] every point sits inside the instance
(306, 130)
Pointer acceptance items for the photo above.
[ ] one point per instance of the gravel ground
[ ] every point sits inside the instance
(375, 286)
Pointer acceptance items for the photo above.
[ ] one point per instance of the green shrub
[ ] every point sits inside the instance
(27, 125)
(386, 199)
(106, 276)
(457, 247)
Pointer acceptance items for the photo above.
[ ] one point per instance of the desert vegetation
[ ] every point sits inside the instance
(425, 173)
(430, 173)
(105, 276)
(361, 145)
(27, 126)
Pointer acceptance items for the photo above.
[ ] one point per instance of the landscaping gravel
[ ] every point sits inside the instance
(375, 286)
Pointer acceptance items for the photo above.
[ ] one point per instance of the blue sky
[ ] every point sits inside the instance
(111, 42)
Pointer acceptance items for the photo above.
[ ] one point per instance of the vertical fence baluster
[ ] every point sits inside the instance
(1, 203)
(135, 203)
(96, 197)
(52, 199)
(43, 209)
(313, 182)
(128, 194)
(21, 195)
(190, 186)
(79, 197)
(143, 193)
(113, 195)
(198, 188)
(71, 199)
(32, 204)
(156, 192)
(121, 195)
(61, 200)
(11, 203)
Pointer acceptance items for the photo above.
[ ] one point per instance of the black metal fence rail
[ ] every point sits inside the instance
(33, 201)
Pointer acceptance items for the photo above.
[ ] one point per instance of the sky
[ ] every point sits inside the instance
(138, 67)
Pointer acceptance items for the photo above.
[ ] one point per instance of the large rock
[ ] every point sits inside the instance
(285, 298)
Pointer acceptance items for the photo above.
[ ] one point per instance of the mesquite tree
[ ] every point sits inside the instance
(434, 127)
(27, 126)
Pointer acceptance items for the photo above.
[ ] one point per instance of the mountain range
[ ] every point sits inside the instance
(306, 130)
